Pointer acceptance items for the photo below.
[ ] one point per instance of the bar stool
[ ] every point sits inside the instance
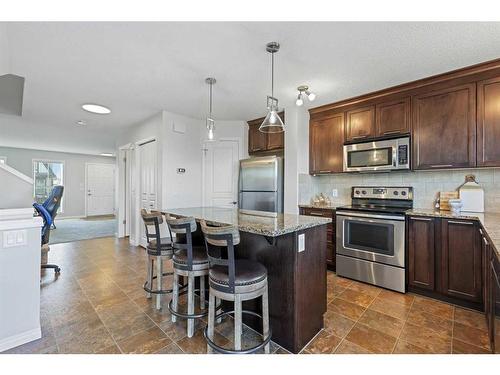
(158, 249)
(191, 262)
(235, 280)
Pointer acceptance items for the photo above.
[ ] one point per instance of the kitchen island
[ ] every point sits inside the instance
(296, 273)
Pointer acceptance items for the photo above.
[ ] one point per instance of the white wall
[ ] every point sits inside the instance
(296, 154)
(15, 192)
(4, 50)
(181, 148)
(74, 173)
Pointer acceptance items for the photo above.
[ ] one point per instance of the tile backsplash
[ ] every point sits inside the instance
(426, 185)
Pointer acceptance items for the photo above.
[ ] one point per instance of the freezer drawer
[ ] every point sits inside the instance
(259, 201)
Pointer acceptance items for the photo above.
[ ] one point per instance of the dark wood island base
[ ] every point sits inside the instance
(296, 279)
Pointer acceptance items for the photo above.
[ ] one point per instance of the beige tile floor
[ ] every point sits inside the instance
(97, 305)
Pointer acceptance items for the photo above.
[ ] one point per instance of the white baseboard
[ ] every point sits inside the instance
(20, 338)
(69, 217)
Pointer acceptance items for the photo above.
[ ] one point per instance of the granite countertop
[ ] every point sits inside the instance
(490, 221)
(266, 226)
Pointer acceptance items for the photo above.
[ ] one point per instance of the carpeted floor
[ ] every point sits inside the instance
(82, 229)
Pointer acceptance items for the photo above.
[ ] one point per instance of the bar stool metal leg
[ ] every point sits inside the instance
(149, 276)
(218, 303)
(159, 275)
(190, 322)
(175, 295)
(238, 322)
(211, 319)
(202, 292)
(265, 319)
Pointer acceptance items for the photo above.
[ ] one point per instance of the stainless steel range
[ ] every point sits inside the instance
(371, 236)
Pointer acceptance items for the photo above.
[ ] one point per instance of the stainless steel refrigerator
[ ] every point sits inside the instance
(261, 184)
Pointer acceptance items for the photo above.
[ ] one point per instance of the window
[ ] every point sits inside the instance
(3, 159)
(46, 175)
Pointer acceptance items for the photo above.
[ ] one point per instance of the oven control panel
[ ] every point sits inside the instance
(382, 192)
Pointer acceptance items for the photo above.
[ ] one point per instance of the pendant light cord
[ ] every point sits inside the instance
(210, 105)
(272, 75)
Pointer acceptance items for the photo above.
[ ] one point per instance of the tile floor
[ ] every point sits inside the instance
(97, 305)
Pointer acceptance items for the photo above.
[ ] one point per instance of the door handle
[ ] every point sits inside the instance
(441, 165)
(420, 219)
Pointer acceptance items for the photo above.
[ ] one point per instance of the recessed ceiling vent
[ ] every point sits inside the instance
(11, 94)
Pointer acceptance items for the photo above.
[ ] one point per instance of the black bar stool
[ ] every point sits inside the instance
(191, 262)
(235, 280)
(158, 249)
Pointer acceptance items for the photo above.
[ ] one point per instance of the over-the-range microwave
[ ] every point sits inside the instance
(377, 156)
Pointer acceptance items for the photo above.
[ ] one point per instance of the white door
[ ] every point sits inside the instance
(221, 166)
(100, 189)
(148, 181)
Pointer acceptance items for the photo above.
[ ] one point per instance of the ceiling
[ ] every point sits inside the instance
(138, 69)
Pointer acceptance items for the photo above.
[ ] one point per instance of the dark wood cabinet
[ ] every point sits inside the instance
(330, 231)
(445, 259)
(360, 124)
(461, 260)
(421, 252)
(488, 123)
(444, 128)
(326, 139)
(494, 324)
(257, 141)
(393, 117)
(264, 142)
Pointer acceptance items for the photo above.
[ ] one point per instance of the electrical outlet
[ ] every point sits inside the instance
(302, 242)
(335, 193)
(15, 238)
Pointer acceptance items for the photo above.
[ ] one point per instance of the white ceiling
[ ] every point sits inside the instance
(138, 69)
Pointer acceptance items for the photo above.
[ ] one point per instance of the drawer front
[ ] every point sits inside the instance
(322, 212)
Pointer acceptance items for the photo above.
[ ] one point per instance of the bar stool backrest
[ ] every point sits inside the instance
(182, 225)
(216, 239)
(152, 220)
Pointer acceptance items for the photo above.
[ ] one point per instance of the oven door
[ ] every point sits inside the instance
(378, 238)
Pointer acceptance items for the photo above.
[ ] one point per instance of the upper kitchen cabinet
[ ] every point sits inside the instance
(488, 123)
(326, 139)
(392, 118)
(264, 142)
(444, 128)
(360, 124)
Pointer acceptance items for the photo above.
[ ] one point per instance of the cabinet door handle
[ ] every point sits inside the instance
(420, 218)
(360, 136)
(324, 171)
(441, 165)
(485, 241)
(316, 213)
(460, 222)
(392, 132)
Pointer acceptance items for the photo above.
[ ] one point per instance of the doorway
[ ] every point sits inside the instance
(220, 173)
(148, 180)
(100, 189)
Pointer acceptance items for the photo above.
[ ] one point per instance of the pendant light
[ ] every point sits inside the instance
(272, 123)
(210, 120)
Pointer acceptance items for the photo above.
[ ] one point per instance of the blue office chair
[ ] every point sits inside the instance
(48, 212)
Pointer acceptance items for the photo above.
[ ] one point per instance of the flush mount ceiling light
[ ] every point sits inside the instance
(96, 108)
(210, 119)
(304, 90)
(272, 123)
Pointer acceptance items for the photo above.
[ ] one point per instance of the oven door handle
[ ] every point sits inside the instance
(370, 216)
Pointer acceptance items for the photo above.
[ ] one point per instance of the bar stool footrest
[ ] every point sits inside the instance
(223, 350)
(162, 291)
(181, 315)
